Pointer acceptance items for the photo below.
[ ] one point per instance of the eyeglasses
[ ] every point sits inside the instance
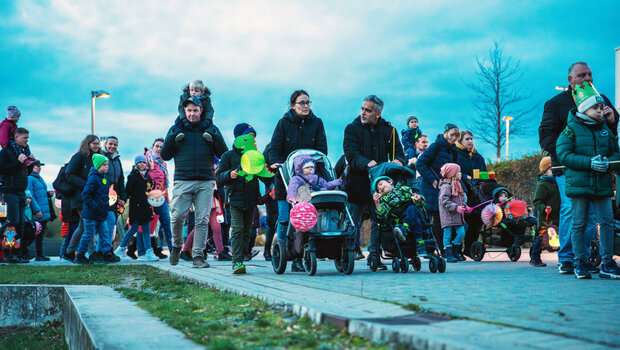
(304, 103)
(367, 110)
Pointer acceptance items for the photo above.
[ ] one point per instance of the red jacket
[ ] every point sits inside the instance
(7, 129)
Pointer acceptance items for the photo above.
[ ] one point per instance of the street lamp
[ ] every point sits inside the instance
(561, 88)
(507, 120)
(94, 95)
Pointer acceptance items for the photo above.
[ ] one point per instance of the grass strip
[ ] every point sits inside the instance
(49, 336)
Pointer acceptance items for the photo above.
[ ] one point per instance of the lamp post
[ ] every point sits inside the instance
(561, 88)
(507, 120)
(95, 95)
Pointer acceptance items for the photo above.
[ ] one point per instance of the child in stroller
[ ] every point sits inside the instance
(306, 181)
(403, 222)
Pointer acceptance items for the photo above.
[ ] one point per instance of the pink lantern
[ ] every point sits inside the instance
(303, 216)
(38, 228)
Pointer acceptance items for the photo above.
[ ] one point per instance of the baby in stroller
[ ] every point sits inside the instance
(305, 181)
(396, 201)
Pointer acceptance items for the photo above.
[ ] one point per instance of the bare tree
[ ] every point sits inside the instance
(499, 92)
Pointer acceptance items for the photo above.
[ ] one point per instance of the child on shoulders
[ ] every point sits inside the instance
(7, 134)
(411, 134)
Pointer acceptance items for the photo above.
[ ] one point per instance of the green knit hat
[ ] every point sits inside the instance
(376, 182)
(98, 160)
(586, 96)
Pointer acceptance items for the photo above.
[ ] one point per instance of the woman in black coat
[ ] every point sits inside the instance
(299, 128)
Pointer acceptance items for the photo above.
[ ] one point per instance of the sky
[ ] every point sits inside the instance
(418, 56)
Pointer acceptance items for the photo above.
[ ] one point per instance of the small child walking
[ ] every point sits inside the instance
(410, 134)
(7, 134)
(586, 148)
(546, 196)
(452, 208)
(95, 211)
(305, 175)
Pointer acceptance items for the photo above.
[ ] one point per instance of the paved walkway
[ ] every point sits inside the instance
(495, 303)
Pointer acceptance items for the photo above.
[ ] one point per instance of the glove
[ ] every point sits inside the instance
(461, 209)
(598, 164)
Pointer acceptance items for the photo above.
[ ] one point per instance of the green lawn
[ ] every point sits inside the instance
(50, 336)
(206, 315)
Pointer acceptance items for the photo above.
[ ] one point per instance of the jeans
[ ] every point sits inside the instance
(90, 227)
(357, 211)
(604, 213)
(76, 238)
(164, 222)
(200, 194)
(241, 225)
(536, 249)
(284, 210)
(67, 240)
(447, 234)
(566, 220)
(111, 222)
(143, 239)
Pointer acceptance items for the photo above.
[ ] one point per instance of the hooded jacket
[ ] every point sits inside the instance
(38, 189)
(448, 204)
(429, 166)
(315, 182)
(95, 196)
(363, 143)
(140, 211)
(205, 99)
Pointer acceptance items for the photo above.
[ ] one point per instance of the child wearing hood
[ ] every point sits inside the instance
(7, 134)
(452, 208)
(305, 167)
(199, 94)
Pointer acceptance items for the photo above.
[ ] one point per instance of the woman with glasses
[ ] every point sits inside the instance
(299, 128)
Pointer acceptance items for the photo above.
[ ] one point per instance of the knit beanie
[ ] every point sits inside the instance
(449, 126)
(243, 129)
(586, 96)
(449, 170)
(98, 160)
(308, 164)
(13, 112)
(139, 158)
(376, 182)
(410, 118)
(544, 165)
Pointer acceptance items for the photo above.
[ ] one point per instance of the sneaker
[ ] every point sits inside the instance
(120, 252)
(223, 256)
(41, 258)
(267, 256)
(148, 256)
(199, 262)
(185, 255)
(81, 259)
(22, 259)
(581, 271)
(179, 137)
(238, 268)
(593, 269)
(420, 249)
(109, 258)
(131, 254)
(68, 256)
(536, 262)
(254, 252)
(297, 266)
(174, 255)
(207, 137)
(610, 270)
(96, 257)
(357, 253)
(401, 232)
(566, 267)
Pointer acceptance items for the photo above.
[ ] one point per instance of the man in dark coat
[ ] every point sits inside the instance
(552, 124)
(368, 141)
(193, 150)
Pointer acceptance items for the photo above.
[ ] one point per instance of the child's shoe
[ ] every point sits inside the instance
(185, 255)
(566, 267)
(131, 248)
(148, 256)
(592, 269)
(29, 160)
(449, 254)
(223, 256)
(610, 270)
(109, 258)
(457, 251)
(420, 249)
(238, 268)
(80, 258)
(120, 252)
(581, 271)
(180, 136)
(401, 232)
(207, 137)
(537, 262)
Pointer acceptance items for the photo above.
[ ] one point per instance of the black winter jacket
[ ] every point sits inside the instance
(116, 177)
(468, 164)
(140, 210)
(14, 177)
(240, 194)
(76, 172)
(553, 123)
(193, 156)
(429, 166)
(362, 144)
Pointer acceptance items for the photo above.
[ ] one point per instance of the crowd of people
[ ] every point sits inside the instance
(215, 204)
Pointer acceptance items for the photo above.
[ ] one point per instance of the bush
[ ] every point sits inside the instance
(518, 175)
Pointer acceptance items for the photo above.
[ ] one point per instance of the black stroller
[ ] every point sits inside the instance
(333, 236)
(403, 253)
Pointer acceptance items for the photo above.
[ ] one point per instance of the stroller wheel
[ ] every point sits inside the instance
(595, 254)
(348, 261)
(395, 265)
(404, 265)
(441, 267)
(514, 253)
(477, 251)
(433, 264)
(278, 257)
(310, 262)
(373, 263)
(416, 263)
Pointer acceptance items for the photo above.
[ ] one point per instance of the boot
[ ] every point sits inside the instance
(449, 255)
(109, 258)
(174, 255)
(297, 266)
(157, 250)
(80, 258)
(186, 255)
(457, 250)
(131, 248)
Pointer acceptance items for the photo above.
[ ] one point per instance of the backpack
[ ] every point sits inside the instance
(61, 185)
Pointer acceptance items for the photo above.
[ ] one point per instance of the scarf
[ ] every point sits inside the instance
(586, 119)
(471, 153)
(155, 159)
(18, 150)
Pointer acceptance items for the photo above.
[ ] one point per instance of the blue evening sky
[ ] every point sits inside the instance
(416, 55)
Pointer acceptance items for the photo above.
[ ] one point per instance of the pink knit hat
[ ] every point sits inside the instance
(449, 170)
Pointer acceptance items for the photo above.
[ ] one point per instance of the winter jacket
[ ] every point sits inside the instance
(547, 194)
(95, 197)
(76, 173)
(14, 177)
(7, 130)
(447, 206)
(315, 182)
(240, 194)
(409, 137)
(193, 156)
(38, 189)
(138, 186)
(429, 165)
(115, 176)
(363, 143)
(394, 204)
(207, 108)
(576, 145)
(554, 121)
(294, 132)
(468, 161)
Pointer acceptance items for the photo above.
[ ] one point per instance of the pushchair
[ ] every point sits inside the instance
(403, 253)
(333, 236)
(505, 230)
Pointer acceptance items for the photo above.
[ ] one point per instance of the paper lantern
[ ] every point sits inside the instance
(303, 216)
(38, 228)
(252, 162)
(491, 215)
(156, 198)
(515, 209)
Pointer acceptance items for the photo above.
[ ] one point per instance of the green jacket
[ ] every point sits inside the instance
(395, 203)
(547, 194)
(576, 146)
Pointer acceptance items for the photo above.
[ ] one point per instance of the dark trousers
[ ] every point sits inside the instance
(437, 231)
(15, 207)
(357, 214)
(241, 229)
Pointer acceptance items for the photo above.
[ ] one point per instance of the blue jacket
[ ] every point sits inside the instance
(95, 200)
(38, 189)
(429, 166)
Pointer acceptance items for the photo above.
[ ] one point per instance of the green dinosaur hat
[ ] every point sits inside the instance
(586, 96)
